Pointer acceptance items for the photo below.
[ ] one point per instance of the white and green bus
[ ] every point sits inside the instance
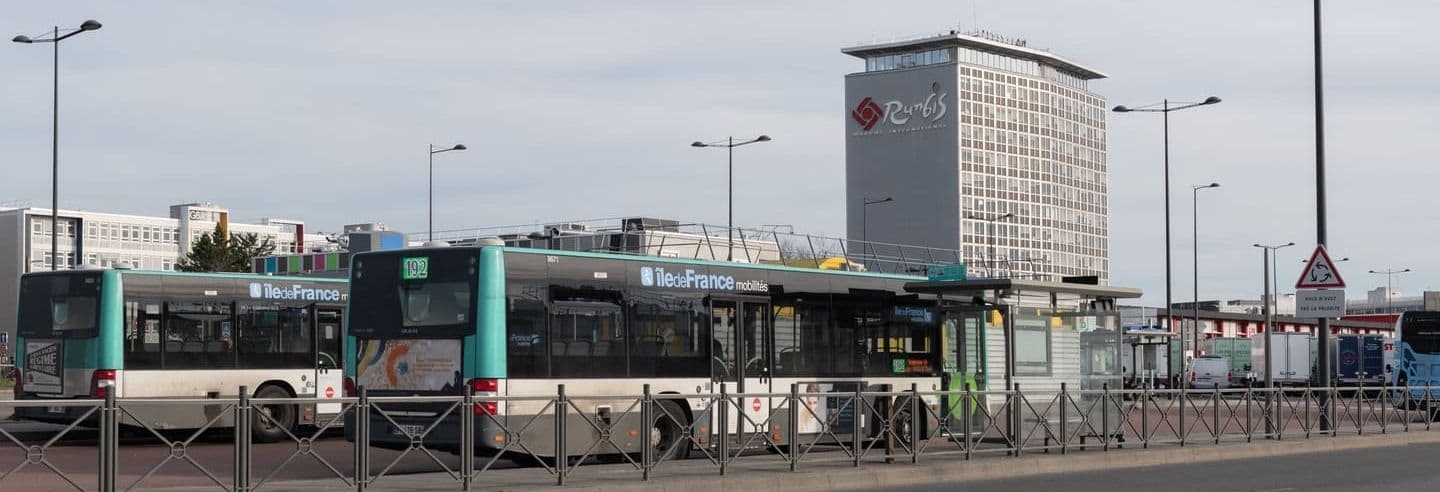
(519, 322)
(155, 335)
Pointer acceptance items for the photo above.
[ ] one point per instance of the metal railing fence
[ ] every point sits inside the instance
(568, 434)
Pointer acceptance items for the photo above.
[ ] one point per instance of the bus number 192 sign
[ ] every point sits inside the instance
(415, 268)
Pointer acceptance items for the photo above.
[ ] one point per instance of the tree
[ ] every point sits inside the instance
(220, 252)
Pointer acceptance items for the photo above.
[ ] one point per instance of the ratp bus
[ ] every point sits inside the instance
(1417, 339)
(519, 322)
(153, 334)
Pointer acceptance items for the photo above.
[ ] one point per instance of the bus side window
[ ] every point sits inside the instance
(142, 334)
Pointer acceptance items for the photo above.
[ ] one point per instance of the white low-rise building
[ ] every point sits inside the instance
(108, 239)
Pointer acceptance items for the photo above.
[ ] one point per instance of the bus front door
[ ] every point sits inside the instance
(741, 331)
(329, 378)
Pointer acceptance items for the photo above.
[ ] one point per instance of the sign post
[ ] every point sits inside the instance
(1315, 299)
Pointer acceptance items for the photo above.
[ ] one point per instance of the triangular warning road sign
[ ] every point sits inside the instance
(1320, 272)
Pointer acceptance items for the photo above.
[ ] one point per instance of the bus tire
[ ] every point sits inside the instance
(667, 431)
(282, 418)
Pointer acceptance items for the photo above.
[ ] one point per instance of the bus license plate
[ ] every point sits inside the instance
(407, 429)
(55, 409)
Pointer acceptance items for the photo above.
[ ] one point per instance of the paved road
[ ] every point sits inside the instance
(1376, 469)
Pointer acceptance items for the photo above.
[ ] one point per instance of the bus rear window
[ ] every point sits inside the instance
(434, 304)
(413, 294)
(1422, 333)
(59, 306)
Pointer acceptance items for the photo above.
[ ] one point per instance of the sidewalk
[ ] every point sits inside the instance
(830, 471)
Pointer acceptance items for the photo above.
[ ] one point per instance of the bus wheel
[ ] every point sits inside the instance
(667, 431)
(282, 418)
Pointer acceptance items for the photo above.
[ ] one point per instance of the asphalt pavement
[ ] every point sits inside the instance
(1390, 468)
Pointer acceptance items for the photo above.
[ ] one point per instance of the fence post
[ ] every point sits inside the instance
(362, 441)
(1105, 416)
(1326, 411)
(1016, 418)
(792, 434)
(1184, 401)
(1064, 416)
(467, 438)
(1145, 417)
(724, 429)
(109, 442)
(243, 421)
(647, 424)
(915, 423)
(966, 401)
(855, 420)
(562, 463)
(1215, 413)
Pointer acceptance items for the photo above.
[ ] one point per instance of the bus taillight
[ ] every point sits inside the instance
(485, 387)
(101, 381)
(349, 388)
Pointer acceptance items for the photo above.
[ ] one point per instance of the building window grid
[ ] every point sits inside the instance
(1079, 182)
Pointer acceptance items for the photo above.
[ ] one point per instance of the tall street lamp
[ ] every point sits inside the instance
(865, 219)
(54, 38)
(729, 144)
(991, 239)
(1195, 209)
(1269, 252)
(1389, 274)
(1164, 109)
(430, 215)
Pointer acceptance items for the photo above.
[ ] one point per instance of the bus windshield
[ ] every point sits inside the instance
(59, 306)
(1422, 332)
(423, 294)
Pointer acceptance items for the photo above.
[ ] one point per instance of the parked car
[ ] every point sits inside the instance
(1210, 372)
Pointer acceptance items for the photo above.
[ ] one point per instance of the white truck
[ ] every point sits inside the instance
(1291, 365)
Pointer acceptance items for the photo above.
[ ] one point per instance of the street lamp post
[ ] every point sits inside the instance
(729, 144)
(55, 39)
(865, 220)
(991, 234)
(1165, 109)
(430, 215)
(1195, 223)
(1269, 252)
(1389, 274)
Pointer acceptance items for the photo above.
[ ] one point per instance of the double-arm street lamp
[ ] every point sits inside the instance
(1389, 274)
(1269, 253)
(991, 239)
(1164, 108)
(729, 145)
(430, 215)
(54, 38)
(1195, 304)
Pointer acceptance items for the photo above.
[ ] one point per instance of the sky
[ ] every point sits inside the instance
(322, 111)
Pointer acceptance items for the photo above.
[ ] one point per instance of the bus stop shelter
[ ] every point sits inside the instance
(1002, 336)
